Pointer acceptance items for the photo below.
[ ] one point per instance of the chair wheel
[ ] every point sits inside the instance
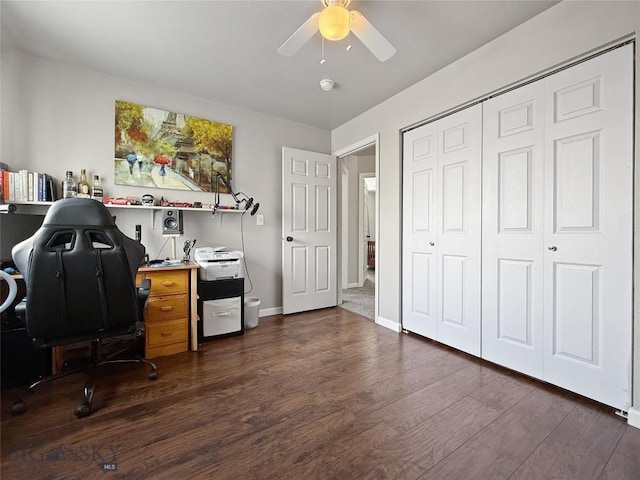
(82, 411)
(153, 375)
(18, 407)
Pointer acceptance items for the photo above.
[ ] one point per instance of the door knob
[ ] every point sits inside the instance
(553, 248)
(431, 243)
(289, 239)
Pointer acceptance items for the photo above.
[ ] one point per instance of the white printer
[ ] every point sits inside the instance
(218, 264)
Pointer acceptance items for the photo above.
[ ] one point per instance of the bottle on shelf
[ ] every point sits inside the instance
(84, 190)
(96, 191)
(69, 186)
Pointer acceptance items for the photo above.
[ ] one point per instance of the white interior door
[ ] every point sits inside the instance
(308, 230)
(442, 230)
(588, 227)
(512, 229)
(366, 231)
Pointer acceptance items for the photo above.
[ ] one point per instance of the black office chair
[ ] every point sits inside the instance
(79, 270)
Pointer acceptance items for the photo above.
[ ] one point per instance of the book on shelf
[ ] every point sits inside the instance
(13, 182)
(24, 185)
(51, 192)
(30, 176)
(41, 191)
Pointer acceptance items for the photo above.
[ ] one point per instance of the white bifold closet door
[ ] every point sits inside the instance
(442, 230)
(512, 229)
(588, 228)
(557, 228)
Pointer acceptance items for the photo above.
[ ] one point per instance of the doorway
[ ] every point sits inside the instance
(358, 228)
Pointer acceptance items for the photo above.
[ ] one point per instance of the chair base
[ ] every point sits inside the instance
(86, 408)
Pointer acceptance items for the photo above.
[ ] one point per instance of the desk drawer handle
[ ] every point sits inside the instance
(165, 334)
(166, 308)
(167, 283)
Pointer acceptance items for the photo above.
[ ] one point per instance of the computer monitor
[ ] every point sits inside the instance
(15, 227)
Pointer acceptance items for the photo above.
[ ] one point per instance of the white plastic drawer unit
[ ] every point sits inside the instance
(221, 316)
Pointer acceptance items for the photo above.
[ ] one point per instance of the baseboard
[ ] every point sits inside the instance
(633, 417)
(391, 325)
(354, 285)
(266, 312)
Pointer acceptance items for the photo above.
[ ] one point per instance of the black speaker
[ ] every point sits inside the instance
(172, 222)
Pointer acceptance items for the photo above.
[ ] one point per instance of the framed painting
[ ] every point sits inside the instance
(162, 149)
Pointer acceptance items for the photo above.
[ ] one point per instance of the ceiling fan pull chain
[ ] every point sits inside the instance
(322, 60)
(349, 40)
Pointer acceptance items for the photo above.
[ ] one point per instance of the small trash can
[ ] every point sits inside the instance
(251, 312)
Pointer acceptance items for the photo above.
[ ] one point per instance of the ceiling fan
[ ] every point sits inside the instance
(335, 22)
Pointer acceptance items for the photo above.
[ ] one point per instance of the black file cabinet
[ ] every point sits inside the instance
(220, 308)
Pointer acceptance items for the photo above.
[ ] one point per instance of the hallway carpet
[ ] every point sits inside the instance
(361, 300)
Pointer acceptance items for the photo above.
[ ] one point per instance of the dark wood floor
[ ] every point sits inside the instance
(321, 395)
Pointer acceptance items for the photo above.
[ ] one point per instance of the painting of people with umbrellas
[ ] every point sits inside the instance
(162, 149)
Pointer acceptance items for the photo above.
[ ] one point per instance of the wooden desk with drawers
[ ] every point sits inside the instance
(171, 317)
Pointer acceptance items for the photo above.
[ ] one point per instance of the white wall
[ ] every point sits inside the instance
(561, 33)
(370, 203)
(57, 118)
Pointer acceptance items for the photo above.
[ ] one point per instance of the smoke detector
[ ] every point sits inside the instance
(327, 84)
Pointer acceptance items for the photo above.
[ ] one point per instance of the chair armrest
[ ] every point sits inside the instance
(143, 295)
(21, 309)
(145, 288)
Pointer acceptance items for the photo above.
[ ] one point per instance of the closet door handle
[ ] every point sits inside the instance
(553, 248)
(289, 239)
(432, 244)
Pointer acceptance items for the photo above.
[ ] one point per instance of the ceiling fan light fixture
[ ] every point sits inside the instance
(334, 22)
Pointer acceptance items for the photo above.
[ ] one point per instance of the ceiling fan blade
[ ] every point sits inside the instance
(370, 37)
(295, 42)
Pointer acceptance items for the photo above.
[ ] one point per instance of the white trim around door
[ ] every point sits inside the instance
(343, 152)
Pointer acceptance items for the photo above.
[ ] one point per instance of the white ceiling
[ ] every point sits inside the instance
(225, 51)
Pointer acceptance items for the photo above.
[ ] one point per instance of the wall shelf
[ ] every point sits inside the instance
(206, 208)
(152, 208)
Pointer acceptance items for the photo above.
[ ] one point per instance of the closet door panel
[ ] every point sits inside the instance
(459, 233)
(515, 319)
(588, 228)
(512, 231)
(422, 268)
(515, 194)
(576, 325)
(454, 192)
(576, 173)
(419, 231)
(453, 280)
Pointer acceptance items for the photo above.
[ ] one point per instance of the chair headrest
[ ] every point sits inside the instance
(78, 211)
